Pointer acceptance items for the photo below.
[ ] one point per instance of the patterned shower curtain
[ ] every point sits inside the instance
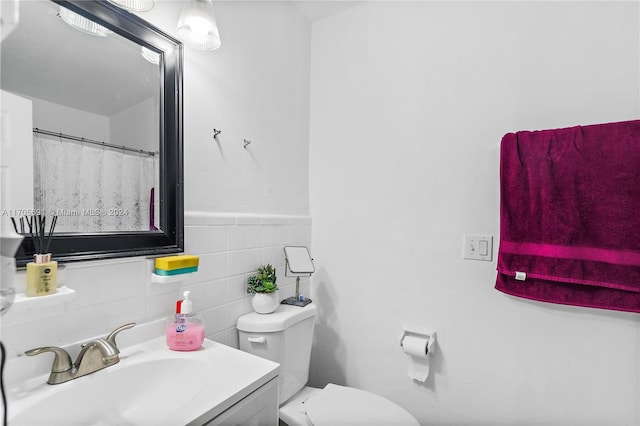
(92, 188)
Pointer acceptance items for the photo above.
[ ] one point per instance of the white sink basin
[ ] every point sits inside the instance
(151, 385)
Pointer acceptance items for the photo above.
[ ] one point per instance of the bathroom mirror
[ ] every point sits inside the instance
(112, 103)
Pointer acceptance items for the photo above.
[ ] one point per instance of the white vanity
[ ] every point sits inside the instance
(155, 385)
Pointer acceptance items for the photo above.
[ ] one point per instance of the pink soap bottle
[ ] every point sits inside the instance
(185, 330)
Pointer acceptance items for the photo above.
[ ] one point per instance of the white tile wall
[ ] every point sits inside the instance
(251, 240)
(114, 292)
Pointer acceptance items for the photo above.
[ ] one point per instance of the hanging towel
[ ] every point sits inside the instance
(570, 216)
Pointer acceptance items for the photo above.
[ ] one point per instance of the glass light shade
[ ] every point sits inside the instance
(197, 25)
(151, 56)
(134, 5)
(83, 24)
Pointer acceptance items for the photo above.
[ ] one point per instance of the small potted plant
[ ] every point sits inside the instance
(265, 290)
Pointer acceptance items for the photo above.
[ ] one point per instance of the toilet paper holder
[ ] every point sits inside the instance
(429, 334)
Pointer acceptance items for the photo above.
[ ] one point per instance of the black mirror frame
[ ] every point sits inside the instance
(68, 247)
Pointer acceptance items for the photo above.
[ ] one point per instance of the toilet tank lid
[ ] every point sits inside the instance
(284, 317)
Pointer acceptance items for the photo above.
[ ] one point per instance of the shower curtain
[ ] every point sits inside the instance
(92, 188)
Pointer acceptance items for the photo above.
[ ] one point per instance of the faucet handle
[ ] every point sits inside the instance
(111, 338)
(61, 361)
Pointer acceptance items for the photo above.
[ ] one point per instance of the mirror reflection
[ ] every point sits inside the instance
(85, 106)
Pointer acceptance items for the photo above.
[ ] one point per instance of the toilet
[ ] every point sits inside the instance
(285, 336)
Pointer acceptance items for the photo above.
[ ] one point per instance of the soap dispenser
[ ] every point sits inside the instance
(185, 330)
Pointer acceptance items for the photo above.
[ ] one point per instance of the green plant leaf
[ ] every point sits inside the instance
(264, 281)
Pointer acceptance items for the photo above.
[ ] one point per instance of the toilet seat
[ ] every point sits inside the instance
(340, 405)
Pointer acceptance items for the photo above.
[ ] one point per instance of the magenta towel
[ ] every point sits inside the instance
(570, 215)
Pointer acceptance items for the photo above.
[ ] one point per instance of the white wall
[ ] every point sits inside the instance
(409, 101)
(242, 206)
(254, 87)
(61, 119)
(137, 127)
(16, 180)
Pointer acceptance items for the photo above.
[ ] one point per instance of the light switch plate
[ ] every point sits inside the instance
(478, 247)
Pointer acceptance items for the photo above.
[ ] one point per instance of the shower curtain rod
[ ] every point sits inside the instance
(93, 142)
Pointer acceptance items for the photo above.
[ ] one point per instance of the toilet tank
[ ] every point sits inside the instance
(284, 336)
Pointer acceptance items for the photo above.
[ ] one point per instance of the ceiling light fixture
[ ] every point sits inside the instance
(134, 5)
(81, 23)
(197, 25)
(151, 56)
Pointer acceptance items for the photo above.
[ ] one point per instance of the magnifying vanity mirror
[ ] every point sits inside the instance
(298, 263)
(91, 130)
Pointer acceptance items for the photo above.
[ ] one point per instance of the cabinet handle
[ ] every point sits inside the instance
(260, 339)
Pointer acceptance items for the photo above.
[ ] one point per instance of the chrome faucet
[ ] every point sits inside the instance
(94, 355)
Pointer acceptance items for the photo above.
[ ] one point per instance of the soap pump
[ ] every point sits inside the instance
(185, 330)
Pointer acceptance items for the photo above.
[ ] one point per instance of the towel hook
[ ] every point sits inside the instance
(246, 142)
(216, 132)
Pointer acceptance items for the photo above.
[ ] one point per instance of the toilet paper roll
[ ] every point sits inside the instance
(416, 349)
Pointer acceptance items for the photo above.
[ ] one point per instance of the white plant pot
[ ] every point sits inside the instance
(265, 303)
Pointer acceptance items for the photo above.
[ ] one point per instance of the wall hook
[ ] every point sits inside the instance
(246, 142)
(216, 132)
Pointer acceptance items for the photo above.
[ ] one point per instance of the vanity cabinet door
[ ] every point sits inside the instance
(260, 408)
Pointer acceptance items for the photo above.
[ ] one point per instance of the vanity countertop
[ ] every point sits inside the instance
(150, 385)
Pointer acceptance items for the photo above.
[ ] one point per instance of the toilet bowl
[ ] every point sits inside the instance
(285, 336)
(341, 405)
